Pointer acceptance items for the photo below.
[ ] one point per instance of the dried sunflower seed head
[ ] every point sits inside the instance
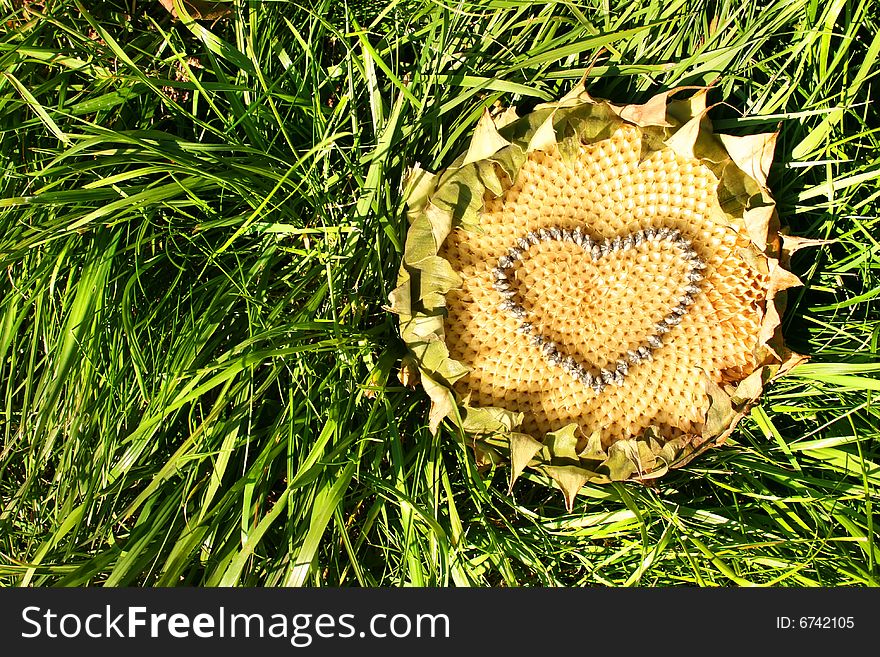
(674, 293)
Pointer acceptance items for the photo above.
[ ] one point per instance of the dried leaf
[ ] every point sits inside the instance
(757, 223)
(720, 416)
(593, 450)
(780, 278)
(619, 466)
(693, 106)
(576, 96)
(417, 328)
(522, 450)
(544, 137)
(459, 194)
(441, 224)
(442, 402)
(486, 140)
(793, 243)
(437, 277)
(644, 458)
(418, 187)
(682, 142)
(486, 456)
(769, 323)
(789, 362)
(753, 153)
(656, 473)
(510, 160)
(652, 112)
(562, 444)
(399, 299)
(673, 450)
(749, 389)
(487, 174)
(570, 480)
(490, 419)
(409, 372)
(506, 117)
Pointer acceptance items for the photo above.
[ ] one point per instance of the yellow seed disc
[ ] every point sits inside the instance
(599, 310)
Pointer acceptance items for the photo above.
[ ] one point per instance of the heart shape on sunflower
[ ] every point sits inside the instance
(630, 254)
(594, 290)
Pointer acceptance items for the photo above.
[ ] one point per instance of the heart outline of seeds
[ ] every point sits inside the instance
(596, 250)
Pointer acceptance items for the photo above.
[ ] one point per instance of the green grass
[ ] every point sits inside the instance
(200, 224)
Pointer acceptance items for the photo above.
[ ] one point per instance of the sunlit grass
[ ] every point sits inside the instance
(200, 224)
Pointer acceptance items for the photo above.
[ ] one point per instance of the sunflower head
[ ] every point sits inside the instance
(593, 290)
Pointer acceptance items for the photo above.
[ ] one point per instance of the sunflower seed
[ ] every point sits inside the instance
(684, 243)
